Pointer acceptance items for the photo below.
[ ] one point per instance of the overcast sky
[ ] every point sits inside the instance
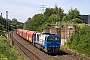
(22, 9)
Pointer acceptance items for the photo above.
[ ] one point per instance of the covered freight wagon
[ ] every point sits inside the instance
(18, 31)
(25, 33)
(30, 35)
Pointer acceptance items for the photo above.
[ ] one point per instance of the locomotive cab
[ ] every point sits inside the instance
(52, 43)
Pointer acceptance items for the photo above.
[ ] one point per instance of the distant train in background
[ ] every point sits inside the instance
(49, 43)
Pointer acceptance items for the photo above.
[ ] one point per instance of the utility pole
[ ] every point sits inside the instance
(43, 7)
(57, 9)
(2, 20)
(7, 23)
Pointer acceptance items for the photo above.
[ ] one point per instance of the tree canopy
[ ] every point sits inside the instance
(8, 25)
(51, 16)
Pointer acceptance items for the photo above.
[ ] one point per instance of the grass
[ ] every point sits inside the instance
(7, 51)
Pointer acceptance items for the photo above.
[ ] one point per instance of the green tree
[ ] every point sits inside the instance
(51, 16)
(48, 12)
(65, 19)
(10, 24)
(36, 22)
(53, 19)
(76, 20)
(57, 11)
(73, 13)
(27, 24)
(14, 20)
(2, 25)
(14, 24)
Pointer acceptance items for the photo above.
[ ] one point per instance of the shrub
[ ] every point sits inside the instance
(8, 52)
(80, 40)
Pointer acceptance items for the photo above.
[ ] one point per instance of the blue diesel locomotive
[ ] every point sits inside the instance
(50, 43)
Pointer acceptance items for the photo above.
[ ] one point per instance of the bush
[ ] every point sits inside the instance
(80, 40)
(76, 20)
(8, 52)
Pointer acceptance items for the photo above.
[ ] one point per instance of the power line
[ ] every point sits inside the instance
(11, 14)
(43, 7)
(14, 16)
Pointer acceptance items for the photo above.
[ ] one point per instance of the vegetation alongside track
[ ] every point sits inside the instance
(10, 25)
(80, 40)
(7, 51)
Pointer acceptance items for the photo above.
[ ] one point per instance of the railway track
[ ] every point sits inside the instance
(34, 54)
(27, 52)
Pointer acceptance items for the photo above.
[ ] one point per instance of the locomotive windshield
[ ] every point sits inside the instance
(54, 38)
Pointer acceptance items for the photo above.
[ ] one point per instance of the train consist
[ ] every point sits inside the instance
(49, 43)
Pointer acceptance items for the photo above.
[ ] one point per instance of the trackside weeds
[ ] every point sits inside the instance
(7, 51)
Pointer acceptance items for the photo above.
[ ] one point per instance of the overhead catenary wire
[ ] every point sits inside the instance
(14, 16)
